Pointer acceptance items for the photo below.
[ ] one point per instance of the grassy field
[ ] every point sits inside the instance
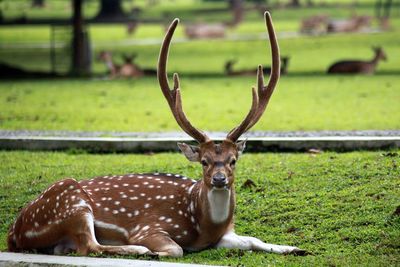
(306, 99)
(339, 206)
(300, 103)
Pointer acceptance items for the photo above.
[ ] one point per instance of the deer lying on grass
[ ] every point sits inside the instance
(213, 30)
(314, 25)
(359, 66)
(130, 61)
(354, 24)
(153, 213)
(266, 70)
(128, 69)
(203, 30)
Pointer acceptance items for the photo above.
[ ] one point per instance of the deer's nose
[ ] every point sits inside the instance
(219, 180)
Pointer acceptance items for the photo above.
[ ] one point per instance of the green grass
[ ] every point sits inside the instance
(337, 205)
(306, 99)
(300, 103)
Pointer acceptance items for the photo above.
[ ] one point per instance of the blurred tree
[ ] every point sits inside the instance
(81, 60)
(37, 3)
(382, 8)
(294, 3)
(110, 8)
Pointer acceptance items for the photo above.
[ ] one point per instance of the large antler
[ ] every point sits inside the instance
(174, 96)
(263, 93)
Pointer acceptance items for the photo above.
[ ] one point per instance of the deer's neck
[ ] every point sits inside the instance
(212, 214)
(214, 206)
(219, 205)
(375, 60)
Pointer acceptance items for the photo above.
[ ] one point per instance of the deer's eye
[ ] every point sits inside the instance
(204, 163)
(233, 162)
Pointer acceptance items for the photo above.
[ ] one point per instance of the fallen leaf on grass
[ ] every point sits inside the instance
(314, 151)
(249, 184)
(397, 211)
(390, 154)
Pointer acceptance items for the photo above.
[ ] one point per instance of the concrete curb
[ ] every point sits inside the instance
(143, 145)
(21, 259)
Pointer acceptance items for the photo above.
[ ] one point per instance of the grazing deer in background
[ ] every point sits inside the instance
(153, 213)
(359, 66)
(266, 70)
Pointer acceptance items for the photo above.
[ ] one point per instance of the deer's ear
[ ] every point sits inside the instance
(190, 152)
(241, 145)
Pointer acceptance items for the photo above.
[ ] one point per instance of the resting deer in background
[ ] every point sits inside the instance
(355, 23)
(214, 30)
(130, 61)
(153, 213)
(128, 69)
(359, 66)
(266, 70)
(314, 25)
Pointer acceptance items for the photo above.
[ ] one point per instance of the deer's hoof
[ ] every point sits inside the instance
(300, 252)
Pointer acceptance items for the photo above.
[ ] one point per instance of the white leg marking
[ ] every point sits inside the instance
(112, 227)
(122, 250)
(31, 234)
(232, 240)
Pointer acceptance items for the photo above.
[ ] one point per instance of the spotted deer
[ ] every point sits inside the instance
(152, 213)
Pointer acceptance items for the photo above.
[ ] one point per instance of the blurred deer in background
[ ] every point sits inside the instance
(126, 70)
(214, 30)
(266, 70)
(354, 24)
(314, 25)
(152, 213)
(130, 61)
(359, 66)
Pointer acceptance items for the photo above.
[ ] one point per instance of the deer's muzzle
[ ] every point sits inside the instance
(219, 180)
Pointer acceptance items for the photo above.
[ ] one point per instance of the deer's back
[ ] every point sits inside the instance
(351, 66)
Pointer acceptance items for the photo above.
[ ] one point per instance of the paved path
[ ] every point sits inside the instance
(160, 142)
(21, 259)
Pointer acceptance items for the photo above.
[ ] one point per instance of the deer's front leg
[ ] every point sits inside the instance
(232, 240)
(162, 245)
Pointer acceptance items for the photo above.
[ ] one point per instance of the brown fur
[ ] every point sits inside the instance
(358, 66)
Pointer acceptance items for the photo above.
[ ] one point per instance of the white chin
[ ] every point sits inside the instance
(225, 187)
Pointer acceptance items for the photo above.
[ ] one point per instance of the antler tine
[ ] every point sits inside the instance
(173, 96)
(264, 92)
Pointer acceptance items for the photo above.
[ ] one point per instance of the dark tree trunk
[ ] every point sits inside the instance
(37, 3)
(294, 3)
(382, 8)
(80, 43)
(110, 8)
